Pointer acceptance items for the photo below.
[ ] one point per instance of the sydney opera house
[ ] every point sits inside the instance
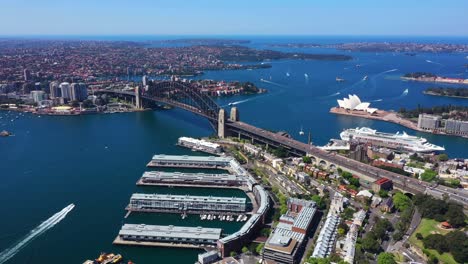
(354, 103)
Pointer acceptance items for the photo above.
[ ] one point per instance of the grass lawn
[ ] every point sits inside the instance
(427, 227)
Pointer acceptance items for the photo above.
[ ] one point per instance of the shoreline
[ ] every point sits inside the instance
(437, 79)
(387, 116)
(443, 95)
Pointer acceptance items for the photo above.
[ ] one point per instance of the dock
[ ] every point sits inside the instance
(186, 204)
(119, 241)
(161, 178)
(168, 236)
(200, 162)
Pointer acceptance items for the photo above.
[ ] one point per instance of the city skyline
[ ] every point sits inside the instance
(207, 17)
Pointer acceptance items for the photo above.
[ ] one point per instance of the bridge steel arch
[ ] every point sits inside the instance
(177, 94)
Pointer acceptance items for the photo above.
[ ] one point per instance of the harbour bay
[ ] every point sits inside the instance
(94, 161)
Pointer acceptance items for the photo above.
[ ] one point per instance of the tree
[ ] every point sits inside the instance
(370, 243)
(319, 201)
(319, 261)
(307, 159)
(245, 249)
(455, 215)
(442, 157)
(428, 175)
(265, 232)
(401, 201)
(437, 242)
(386, 258)
(87, 103)
(233, 254)
(259, 248)
(419, 236)
(457, 242)
(383, 193)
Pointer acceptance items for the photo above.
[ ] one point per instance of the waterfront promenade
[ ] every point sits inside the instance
(381, 115)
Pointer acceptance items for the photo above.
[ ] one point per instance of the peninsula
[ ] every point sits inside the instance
(404, 47)
(430, 77)
(447, 91)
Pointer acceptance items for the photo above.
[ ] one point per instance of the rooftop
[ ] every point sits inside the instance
(162, 157)
(188, 198)
(170, 231)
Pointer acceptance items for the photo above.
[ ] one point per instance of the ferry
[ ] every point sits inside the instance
(398, 141)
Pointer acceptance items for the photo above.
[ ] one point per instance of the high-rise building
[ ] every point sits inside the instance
(38, 96)
(145, 80)
(66, 90)
(429, 122)
(457, 127)
(54, 90)
(78, 92)
(27, 75)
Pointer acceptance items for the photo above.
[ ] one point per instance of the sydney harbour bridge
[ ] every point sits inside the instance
(183, 95)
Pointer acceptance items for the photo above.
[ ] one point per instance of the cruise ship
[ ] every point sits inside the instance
(398, 141)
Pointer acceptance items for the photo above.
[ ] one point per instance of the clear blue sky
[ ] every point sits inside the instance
(237, 17)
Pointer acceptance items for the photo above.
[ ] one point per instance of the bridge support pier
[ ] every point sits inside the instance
(222, 123)
(234, 116)
(138, 104)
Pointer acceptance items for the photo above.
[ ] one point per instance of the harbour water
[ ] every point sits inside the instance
(94, 161)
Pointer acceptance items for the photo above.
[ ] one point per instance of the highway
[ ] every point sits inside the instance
(402, 182)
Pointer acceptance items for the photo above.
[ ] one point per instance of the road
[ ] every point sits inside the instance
(406, 183)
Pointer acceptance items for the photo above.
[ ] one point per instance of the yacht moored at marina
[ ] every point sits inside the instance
(398, 141)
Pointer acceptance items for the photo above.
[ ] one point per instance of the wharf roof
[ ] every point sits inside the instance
(199, 142)
(188, 198)
(170, 231)
(163, 157)
(184, 175)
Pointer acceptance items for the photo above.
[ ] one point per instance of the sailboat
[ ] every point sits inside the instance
(301, 132)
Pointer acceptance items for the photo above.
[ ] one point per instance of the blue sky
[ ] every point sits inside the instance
(234, 17)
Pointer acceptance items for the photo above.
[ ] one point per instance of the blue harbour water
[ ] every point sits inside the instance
(94, 161)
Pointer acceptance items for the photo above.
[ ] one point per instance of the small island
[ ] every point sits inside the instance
(430, 77)
(460, 92)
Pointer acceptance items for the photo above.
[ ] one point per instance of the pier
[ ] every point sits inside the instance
(160, 178)
(168, 236)
(186, 204)
(200, 162)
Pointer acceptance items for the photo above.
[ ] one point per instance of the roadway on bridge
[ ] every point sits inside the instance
(406, 183)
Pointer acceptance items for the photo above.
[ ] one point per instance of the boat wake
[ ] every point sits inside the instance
(405, 93)
(270, 82)
(392, 70)
(335, 94)
(433, 62)
(378, 100)
(237, 102)
(39, 230)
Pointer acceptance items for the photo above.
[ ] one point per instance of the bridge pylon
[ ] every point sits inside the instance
(138, 103)
(234, 116)
(222, 123)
